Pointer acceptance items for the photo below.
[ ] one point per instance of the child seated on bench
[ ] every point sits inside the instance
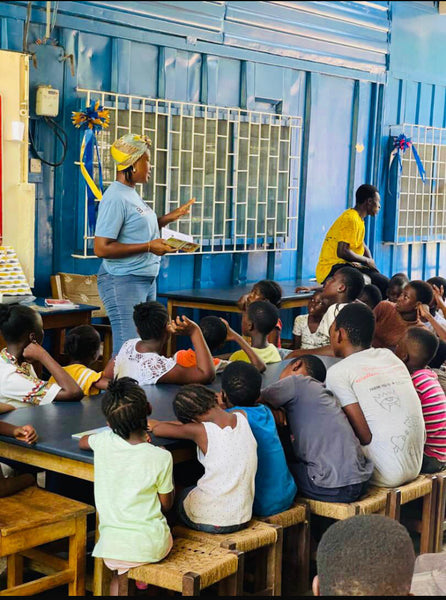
(258, 320)
(416, 350)
(143, 358)
(222, 500)
(82, 346)
(328, 463)
(274, 484)
(22, 329)
(270, 291)
(133, 485)
(306, 333)
(12, 485)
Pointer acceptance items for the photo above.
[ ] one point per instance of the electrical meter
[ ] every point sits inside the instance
(47, 101)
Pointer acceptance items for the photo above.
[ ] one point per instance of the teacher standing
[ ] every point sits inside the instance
(127, 238)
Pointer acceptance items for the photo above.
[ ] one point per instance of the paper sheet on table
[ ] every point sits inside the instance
(78, 436)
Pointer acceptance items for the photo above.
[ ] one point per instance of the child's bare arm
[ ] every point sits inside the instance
(70, 390)
(5, 408)
(204, 371)
(233, 336)
(102, 383)
(180, 431)
(25, 433)
(109, 369)
(83, 443)
(297, 342)
(359, 424)
(166, 501)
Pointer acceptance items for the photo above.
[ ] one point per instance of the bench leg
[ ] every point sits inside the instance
(76, 557)
(191, 584)
(301, 550)
(426, 524)
(440, 501)
(15, 570)
(393, 507)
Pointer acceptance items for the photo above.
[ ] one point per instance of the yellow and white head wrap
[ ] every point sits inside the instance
(128, 149)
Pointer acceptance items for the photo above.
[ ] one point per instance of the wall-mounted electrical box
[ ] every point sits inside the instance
(47, 101)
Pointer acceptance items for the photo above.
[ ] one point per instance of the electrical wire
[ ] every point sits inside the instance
(60, 134)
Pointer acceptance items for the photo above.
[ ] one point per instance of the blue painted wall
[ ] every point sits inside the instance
(347, 67)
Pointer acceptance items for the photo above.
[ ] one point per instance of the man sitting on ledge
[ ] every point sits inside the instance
(344, 242)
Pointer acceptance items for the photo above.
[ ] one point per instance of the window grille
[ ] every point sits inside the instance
(418, 210)
(242, 167)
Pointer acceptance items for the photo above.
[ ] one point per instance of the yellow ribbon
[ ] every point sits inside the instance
(90, 182)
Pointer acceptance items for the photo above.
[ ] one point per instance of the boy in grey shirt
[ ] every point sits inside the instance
(329, 464)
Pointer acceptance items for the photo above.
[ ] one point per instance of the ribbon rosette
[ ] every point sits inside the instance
(92, 120)
(400, 145)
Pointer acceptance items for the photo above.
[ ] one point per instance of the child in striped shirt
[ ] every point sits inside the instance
(416, 349)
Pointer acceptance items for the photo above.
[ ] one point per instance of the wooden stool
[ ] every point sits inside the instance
(295, 523)
(255, 536)
(189, 568)
(439, 494)
(34, 517)
(421, 487)
(373, 502)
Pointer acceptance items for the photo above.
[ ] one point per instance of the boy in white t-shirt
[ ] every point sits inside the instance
(376, 392)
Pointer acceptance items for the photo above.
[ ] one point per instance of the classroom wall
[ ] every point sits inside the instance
(349, 68)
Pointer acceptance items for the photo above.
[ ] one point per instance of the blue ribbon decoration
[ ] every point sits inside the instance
(400, 144)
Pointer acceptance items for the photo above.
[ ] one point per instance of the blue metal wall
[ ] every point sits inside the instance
(334, 63)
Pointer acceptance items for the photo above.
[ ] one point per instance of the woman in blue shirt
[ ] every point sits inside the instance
(127, 238)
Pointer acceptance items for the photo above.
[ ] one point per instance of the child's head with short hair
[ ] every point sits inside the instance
(396, 285)
(82, 345)
(260, 317)
(347, 282)
(365, 555)
(417, 348)
(193, 401)
(151, 319)
(353, 326)
(308, 365)
(267, 289)
(214, 331)
(371, 295)
(125, 407)
(241, 383)
(414, 293)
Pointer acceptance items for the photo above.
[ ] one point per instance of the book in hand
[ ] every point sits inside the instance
(60, 304)
(179, 241)
(78, 436)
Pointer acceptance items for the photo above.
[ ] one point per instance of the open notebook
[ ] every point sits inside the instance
(77, 436)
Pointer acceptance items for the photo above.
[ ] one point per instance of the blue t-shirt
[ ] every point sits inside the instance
(125, 217)
(275, 486)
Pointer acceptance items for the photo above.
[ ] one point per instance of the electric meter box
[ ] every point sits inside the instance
(47, 101)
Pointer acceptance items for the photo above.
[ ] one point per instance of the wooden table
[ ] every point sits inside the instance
(58, 320)
(225, 300)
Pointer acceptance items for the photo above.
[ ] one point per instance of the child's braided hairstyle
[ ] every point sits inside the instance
(125, 406)
(192, 401)
(150, 319)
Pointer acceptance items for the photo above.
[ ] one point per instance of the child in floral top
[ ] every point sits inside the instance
(22, 329)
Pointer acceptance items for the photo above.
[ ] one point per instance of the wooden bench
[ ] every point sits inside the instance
(256, 536)
(34, 517)
(295, 523)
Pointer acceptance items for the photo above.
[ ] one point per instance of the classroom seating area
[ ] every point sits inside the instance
(222, 298)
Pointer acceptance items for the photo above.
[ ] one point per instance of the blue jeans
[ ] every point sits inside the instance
(119, 295)
(202, 526)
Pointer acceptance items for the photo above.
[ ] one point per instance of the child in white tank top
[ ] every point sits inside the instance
(222, 500)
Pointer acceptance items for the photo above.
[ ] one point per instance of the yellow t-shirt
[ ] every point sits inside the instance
(270, 354)
(84, 377)
(349, 228)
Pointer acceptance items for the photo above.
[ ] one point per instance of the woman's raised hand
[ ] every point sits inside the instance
(182, 210)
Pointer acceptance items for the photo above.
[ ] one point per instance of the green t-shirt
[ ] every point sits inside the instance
(270, 354)
(127, 481)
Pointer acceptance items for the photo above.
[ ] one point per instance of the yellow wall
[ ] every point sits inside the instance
(18, 194)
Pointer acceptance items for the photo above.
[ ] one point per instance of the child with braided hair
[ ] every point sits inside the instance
(223, 498)
(143, 358)
(133, 483)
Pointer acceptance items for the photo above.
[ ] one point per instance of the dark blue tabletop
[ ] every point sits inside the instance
(55, 423)
(230, 295)
(39, 303)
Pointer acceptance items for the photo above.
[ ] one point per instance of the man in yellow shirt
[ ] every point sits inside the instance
(344, 242)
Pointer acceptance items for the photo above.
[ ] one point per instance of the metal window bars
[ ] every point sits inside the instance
(421, 207)
(243, 168)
